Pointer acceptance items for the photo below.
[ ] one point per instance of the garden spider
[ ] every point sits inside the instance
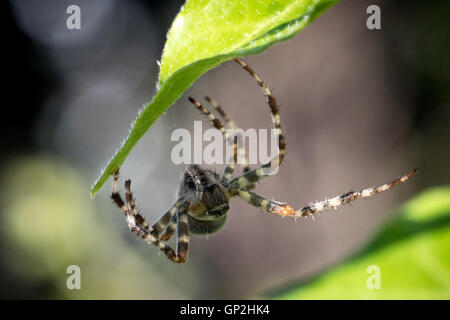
(203, 197)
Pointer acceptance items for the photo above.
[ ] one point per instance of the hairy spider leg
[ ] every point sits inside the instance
(249, 178)
(170, 230)
(130, 207)
(274, 109)
(282, 209)
(138, 225)
(230, 124)
(195, 173)
(182, 235)
(178, 256)
(229, 169)
(160, 228)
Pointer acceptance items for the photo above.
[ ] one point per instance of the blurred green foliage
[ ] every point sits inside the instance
(412, 253)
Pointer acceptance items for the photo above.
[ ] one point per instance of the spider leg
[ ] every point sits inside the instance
(138, 225)
(159, 228)
(274, 109)
(230, 123)
(170, 230)
(229, 169)
(251, 177)
(283, 209)
(130, 207)
(115, 195)
(182, 235)
(231, 162)
(248, 179)
(196, 175)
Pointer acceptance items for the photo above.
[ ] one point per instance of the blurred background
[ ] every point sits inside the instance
(359, 108)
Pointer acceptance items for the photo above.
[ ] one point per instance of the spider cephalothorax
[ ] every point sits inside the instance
(203, 197)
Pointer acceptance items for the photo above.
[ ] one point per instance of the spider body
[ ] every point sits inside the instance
(209, 200)
(203, 196)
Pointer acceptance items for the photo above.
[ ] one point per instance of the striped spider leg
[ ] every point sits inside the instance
(231, 125)
(229, 169)
(239, 186)
(151, 234)
(272, 206)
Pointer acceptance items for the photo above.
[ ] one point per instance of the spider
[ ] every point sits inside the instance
(204, 195)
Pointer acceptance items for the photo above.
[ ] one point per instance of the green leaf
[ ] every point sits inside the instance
(412, 254)
(205, 34)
